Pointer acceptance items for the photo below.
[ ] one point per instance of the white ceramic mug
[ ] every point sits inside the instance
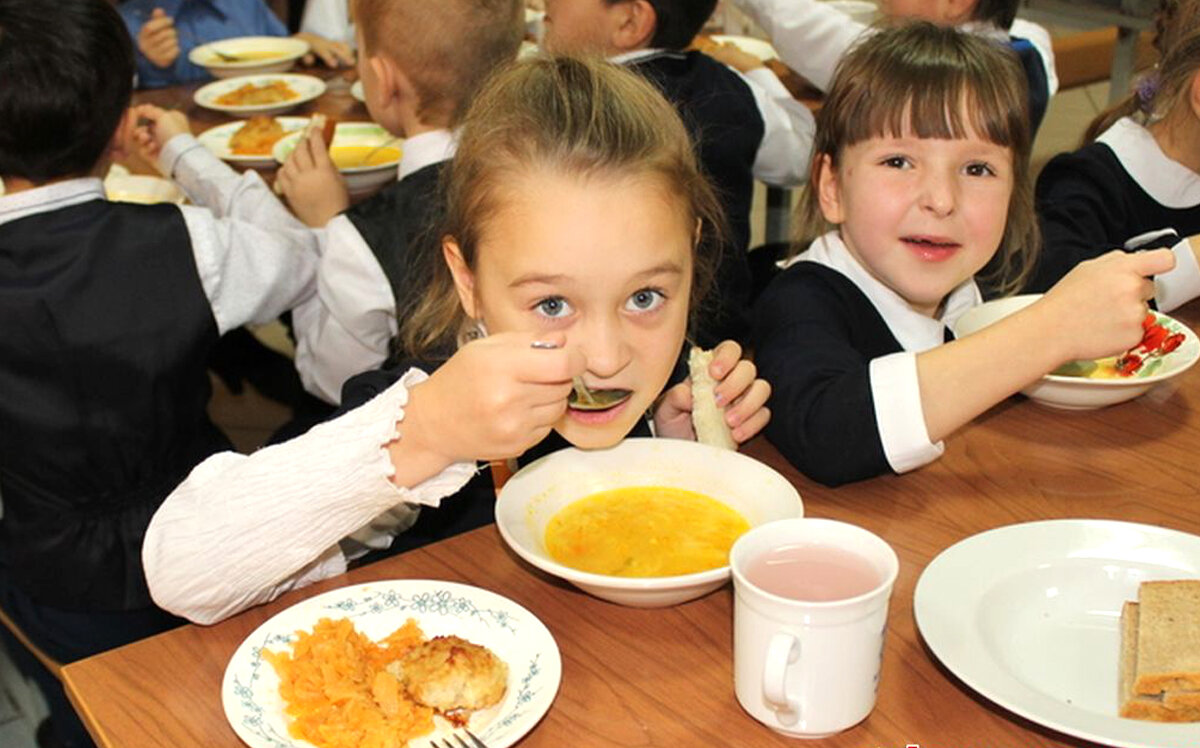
(809, 669)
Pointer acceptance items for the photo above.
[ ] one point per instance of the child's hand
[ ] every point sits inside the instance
(333, 54)
(312, 184)
(743, 395)
(158, 40)
(733, 56)
(155, 127)
(495, 398)
(1097, 309)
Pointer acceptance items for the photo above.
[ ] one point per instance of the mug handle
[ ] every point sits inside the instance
(783, 650)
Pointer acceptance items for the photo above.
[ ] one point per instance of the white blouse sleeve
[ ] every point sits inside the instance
(899, 416)
(243, 529)
(809, 36)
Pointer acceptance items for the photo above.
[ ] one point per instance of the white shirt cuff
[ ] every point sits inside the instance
(898, 412)
(1180, 285)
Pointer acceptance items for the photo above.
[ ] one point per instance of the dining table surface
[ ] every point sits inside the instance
(663, 677)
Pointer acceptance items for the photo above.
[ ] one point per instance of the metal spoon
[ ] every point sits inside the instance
(367, 158)
(583, 397)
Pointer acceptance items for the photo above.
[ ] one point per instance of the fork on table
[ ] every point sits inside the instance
(459, 742)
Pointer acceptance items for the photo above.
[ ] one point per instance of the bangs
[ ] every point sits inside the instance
(950, 92)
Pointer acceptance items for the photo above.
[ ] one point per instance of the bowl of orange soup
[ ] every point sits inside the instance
(647, 523)
(365, 154)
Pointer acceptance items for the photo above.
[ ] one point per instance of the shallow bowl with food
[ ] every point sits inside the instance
(248, 55)
(538, 491)
(1071, 392)
(120, 186)
(366, 155)
(268, 94)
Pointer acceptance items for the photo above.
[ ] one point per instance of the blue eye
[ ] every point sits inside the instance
(553, 307)
(645, 300)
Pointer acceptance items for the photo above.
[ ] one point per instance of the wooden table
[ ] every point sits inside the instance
(663, 677)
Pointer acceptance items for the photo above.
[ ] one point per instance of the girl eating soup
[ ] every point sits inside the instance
(920, 178)
(575, 211)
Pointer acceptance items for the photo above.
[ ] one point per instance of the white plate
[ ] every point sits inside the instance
(286, 51)
(307, 88)
(356, 91)
(758, 47)
(1029, 616)
(142, 189)
(250, 691)
(216, 139)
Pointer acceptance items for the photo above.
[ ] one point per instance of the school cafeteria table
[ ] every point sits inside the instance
(663, 677)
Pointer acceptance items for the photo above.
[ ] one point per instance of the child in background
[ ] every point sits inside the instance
(167, 30)
(420, 64)
(545, 285)
(811, 36)
(1136, 184)
(329, 19)
(920, 167)
(746, 127)
(109, 313)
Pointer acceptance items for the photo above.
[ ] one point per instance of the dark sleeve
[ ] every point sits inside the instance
(822, 412)
(1081, 206)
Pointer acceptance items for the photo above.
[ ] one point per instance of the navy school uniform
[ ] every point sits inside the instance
(1120, 192)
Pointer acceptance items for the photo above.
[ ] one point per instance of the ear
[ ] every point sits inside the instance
(394, 98)
(464, 278)
(1194, 95)
(829, 195)
(635, 23)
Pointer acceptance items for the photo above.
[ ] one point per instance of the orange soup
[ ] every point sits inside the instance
(644, 531)
(357, 156)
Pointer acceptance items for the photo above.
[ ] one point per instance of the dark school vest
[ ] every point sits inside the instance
(722, 116)
(1035, 74)
(396, 220)
(103, 394)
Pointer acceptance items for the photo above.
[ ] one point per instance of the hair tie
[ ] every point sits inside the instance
(1147, 89)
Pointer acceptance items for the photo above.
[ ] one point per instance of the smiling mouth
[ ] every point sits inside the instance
(931, 243)
(601, 399)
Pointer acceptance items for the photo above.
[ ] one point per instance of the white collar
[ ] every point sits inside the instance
(50, 197)
(1169, 182)
(914, 331)
(638, 55)
(428, 148)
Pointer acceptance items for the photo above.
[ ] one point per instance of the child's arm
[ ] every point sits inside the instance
(739, 390)
(809, 36)
(243, 529)
(785, 150)
(158, 40)
(1085, 213)
(1096, 311)
(313, 186)
(332, 53)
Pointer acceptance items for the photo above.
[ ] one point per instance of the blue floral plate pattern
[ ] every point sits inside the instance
(250, 691)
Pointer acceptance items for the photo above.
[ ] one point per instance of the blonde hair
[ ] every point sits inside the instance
(1177, 40)
(935, 83)
(572, 116)
(447, 48)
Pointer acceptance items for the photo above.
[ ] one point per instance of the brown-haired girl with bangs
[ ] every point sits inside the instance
(919, 180)
(1135, 184)
(572, 249)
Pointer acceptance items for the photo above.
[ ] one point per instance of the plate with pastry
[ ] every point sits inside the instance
(250, 142)
(248, 95)
(1088, 627)
(392, 660)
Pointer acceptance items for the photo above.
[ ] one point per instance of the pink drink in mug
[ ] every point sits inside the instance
(812, 572)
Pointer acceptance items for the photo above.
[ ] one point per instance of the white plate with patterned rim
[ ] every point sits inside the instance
(216, 139)
(250, 690)
(305, 87)
(1029, 616)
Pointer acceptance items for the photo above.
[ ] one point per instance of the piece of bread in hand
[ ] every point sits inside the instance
(1171, 706)
(1168, 648)
(708, 418)
(322, 124)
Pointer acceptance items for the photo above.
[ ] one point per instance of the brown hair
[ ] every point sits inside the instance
(572, 115)
(447, 48)
(1177, 39)
(935, 83)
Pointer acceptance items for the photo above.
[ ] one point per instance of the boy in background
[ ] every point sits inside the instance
(420, 64)
(746, 126)
(110, 312)
(167, 30)
(811, 36)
